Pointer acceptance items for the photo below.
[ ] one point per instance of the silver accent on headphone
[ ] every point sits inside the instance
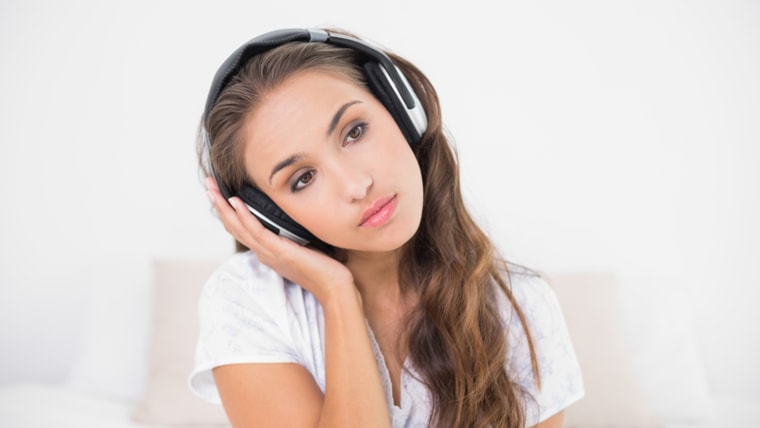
(318, 35)
(416, 113)
(281, 230)
(205, 155)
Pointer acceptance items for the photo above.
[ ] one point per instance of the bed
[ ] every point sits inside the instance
(641, 367)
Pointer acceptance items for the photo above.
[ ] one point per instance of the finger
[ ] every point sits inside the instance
(227, 214)
(265, 239)
(244, 226)
(289, 259)
(211, 183)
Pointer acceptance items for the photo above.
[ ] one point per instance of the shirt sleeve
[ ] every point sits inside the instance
(242, 314)
(561, 381)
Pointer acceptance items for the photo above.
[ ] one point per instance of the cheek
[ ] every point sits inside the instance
(324, 223)
(300, 208)
(405, 165)
(310, 211)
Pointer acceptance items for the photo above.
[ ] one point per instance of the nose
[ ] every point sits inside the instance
(353, 182)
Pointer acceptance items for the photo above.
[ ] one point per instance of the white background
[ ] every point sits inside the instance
(592, 135)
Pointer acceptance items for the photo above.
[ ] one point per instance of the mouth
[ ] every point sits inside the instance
(379, 212)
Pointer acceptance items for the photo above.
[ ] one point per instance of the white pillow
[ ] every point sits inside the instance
(635, 341)
(614, 397)
(660, 329)
(113, 357)
(167, 398)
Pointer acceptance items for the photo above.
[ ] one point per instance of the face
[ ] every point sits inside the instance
(332, 157)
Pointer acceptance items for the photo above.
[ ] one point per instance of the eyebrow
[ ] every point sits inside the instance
(339, 114)
(333, 124)
(284, 164)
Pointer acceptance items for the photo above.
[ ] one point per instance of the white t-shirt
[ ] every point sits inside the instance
(249, 314)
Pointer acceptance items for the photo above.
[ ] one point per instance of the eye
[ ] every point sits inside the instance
(356, 133)
(302, 181)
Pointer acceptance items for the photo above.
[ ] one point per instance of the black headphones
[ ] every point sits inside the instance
(385, 80)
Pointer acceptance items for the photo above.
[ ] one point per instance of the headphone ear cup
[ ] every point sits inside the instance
(274, 218)
(385, 91)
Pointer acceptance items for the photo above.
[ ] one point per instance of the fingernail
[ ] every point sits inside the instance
(233, 202)
(211, 196)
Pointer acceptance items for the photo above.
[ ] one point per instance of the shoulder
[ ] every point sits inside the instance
(241, 274)
(244, 282)
(244, 290)
(528, 286)
(240, 290)
(530, 294)
(248, 313)
(542, 320)
(559, 372)
(535, 298)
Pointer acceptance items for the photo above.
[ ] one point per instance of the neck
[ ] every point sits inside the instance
(375, 274)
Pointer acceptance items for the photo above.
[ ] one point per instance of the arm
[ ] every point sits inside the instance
(285, 395)
(556, 421)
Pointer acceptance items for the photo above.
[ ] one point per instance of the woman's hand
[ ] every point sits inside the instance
(354, 394)
(312, 270)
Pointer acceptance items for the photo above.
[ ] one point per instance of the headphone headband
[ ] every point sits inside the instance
(273, 39)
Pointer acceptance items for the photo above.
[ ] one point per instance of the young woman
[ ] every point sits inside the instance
(393, 308)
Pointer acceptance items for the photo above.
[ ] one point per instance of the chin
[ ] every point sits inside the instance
(383, 244)
(381, 240)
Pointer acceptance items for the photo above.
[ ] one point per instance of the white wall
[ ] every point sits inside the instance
(592, 135)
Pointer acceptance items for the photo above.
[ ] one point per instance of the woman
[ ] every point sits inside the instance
(393, 308)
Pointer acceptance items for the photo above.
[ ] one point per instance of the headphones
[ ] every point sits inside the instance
(385, 80)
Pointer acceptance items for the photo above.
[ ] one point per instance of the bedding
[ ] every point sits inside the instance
(637, 354)
(29, 405)
(32, 405)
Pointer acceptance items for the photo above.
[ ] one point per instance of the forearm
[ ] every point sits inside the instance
(354, 394)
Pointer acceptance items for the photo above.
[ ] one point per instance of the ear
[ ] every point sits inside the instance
(385, 91)
(276, 220)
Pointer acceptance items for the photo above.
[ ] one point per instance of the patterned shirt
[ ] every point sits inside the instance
(249, 314)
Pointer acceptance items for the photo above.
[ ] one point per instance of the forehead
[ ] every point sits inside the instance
(295, 115)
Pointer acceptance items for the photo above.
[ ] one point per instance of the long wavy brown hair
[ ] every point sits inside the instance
(456, 334)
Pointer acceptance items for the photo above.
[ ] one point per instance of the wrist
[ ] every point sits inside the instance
(340, 297)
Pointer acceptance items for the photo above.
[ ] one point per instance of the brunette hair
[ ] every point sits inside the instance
(456, 334)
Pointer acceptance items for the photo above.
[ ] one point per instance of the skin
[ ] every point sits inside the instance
(324, 148)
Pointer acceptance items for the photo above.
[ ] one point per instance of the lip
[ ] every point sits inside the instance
(379, 212)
